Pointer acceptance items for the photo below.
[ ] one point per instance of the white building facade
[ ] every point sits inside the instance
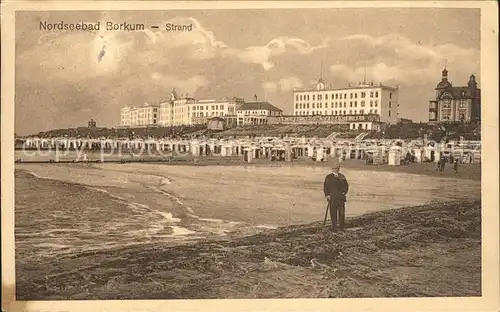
(202, 110)
(256, 113)
(176, 111)
(359, 100)
(146, 115)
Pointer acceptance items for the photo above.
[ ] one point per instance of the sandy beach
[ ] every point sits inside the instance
(425, 251)
(97, 223)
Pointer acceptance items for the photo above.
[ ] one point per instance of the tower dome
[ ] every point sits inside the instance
(444, 83)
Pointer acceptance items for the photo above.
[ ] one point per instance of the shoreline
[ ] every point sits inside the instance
(297, 261)
(465, 171)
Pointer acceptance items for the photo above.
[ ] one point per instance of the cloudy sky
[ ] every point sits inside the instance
(60, 81)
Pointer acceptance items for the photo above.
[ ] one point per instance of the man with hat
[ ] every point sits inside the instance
(335, 189)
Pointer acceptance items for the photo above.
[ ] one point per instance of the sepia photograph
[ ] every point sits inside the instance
(249, 153)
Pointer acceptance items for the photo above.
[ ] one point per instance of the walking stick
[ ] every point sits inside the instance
(326, 213)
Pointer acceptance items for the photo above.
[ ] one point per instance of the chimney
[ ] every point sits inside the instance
(255, 97)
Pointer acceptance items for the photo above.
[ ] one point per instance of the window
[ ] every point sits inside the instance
(345, 96)
(319, 97)
(314, 97)
(345, 104)
(355, 103)
(313, 103)
(355, 112)
(308, 105)
(355, 95)
(350, 104)
(336, 96)
(363, 94)
(300, 97)
(296, 106)
(362, 111)
(326, 105)
(376, 94)
(351, 96)
(390, 95)
(371, 110)
(371, 94)
(389, 113)
(350, 112)
(463, 104)
(376, 103)
(362, 103)
(390, 104)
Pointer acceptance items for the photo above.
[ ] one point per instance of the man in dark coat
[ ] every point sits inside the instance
(335, 188)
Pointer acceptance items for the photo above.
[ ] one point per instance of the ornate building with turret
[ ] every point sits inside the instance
(455, 104)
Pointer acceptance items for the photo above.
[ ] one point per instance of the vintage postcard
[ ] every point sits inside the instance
(318, 155)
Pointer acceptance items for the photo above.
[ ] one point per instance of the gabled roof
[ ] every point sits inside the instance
(259, 106)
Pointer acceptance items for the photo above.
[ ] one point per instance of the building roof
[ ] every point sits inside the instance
(458, 93)
(355, 87)
(443, 84)
(259, 106)
(223, 100)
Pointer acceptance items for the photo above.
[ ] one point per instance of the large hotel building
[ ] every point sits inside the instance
(148, 114)
(363, 107)
(379, 104)
(183, 110)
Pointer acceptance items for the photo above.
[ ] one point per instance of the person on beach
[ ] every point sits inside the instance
(455, 165)
(443, 163)
(335, 188)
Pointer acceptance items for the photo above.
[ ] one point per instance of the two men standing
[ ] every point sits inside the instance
(335, 188)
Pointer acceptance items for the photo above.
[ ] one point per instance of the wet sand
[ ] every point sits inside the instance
(104, 259)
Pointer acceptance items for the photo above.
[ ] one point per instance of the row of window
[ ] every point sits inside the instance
(336, 96)
(200, 114)
(447, 116)
(343, 112)
(247, 112)
(335, 113)
(337, 104)
(213, 107)
(460, 105)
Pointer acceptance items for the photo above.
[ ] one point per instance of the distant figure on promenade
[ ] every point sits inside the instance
(455, 165)
(335, 188)
(438, 165)
(443, 163)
